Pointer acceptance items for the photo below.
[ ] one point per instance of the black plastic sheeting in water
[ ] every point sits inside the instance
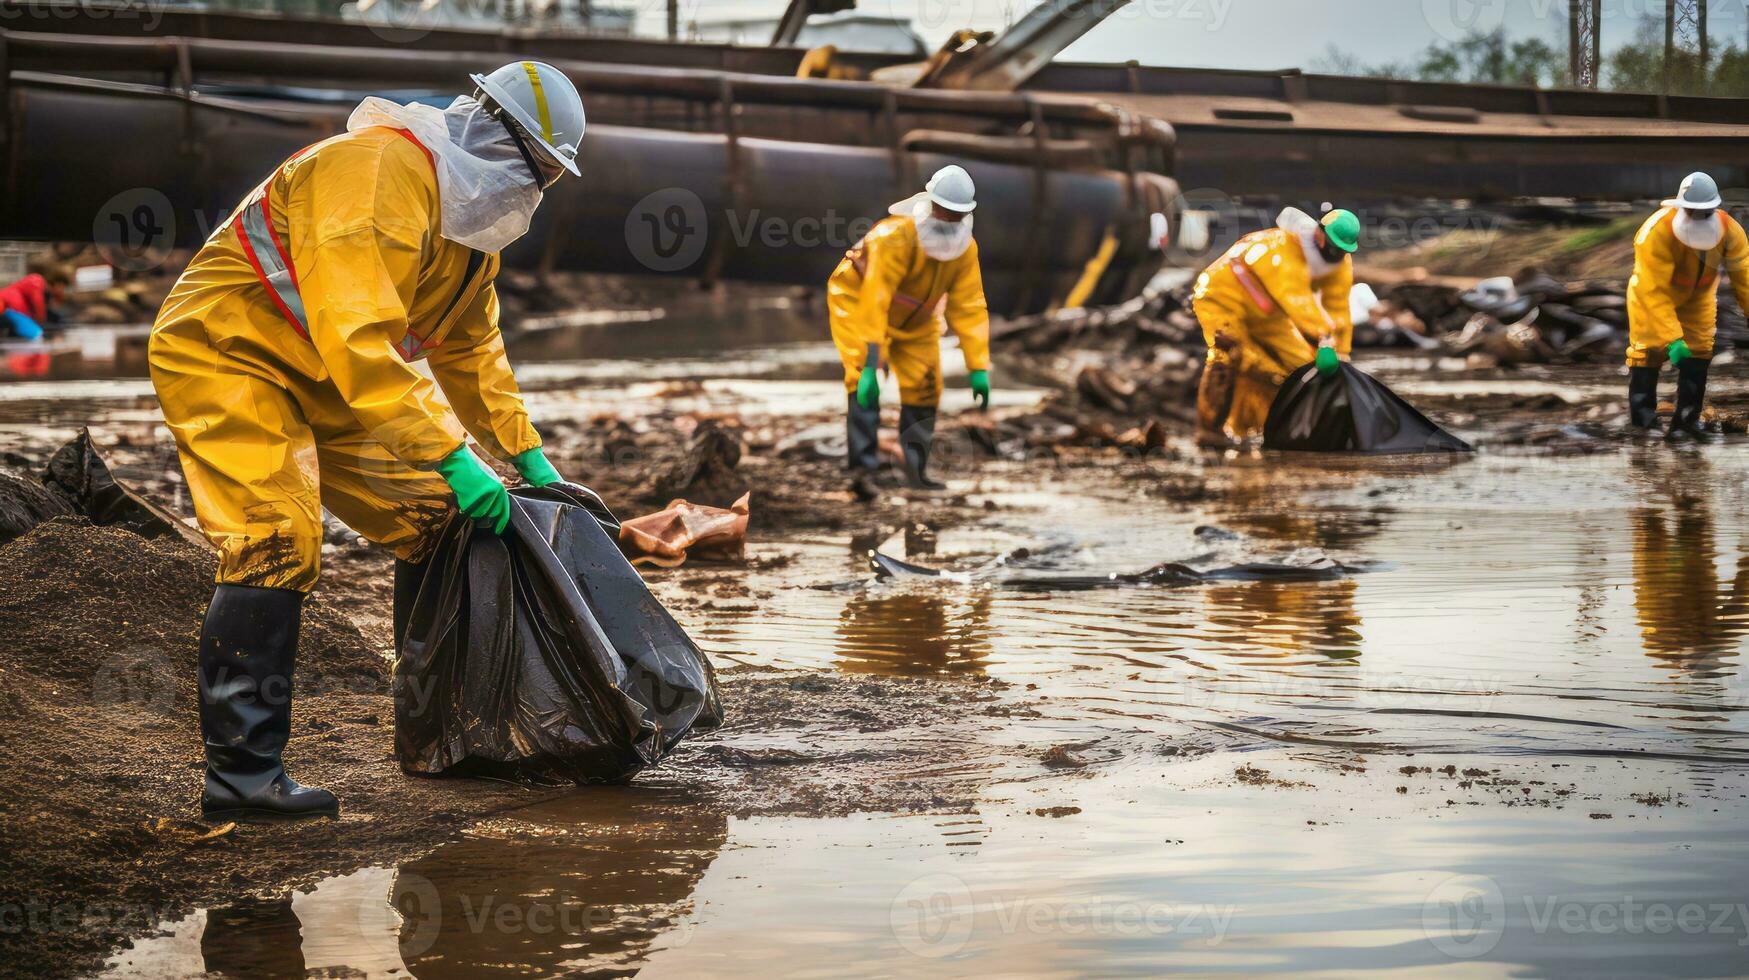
(1165, 574)
(541, 656)
(1350, 412)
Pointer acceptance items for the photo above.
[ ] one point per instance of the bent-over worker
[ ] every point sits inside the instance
(282, 361)
(1673, 300)
(885, 303)
(1275, 301)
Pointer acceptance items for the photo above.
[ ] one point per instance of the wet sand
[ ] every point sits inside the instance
(1515, 746)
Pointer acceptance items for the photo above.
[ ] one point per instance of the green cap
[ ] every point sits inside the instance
(1343, 228)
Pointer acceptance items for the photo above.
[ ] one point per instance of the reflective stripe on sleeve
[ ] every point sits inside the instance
(272, 265)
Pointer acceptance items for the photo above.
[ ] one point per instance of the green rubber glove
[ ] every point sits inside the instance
(1327, 361)
(868, 387)
(981, 388)
(1678, 352)
(535, 469)
(478, 491)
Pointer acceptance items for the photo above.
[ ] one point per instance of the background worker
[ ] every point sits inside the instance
(283, 350)
(883, 300)
(27, 306)
(1673, 300)
(1275, 301)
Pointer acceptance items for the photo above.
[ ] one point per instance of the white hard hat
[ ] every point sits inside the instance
(543, 102)
(951, 187)
(1699, 192)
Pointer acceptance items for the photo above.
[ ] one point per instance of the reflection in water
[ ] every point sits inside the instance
(1691, 615)
(915, 633)
(253, 939)
(1527, 627)
(584, 885)
(688, 322)
(1275, 618)
(605, 874)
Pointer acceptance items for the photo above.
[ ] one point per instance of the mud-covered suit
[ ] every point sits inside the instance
(1263, 315)
(886, 300)
(1673, 311)
(283, 361)
(887, 293)
(1673, 294)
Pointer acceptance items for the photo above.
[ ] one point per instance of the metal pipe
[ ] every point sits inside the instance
(292, 64)
(651, 201)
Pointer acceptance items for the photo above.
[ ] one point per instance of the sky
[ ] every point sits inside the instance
(1250, 33)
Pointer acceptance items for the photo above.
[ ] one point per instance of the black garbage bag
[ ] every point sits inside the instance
(541, 656)
(1350, 412)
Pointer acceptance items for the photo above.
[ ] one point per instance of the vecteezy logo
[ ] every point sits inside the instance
(135, 229)
(1454, 20)
(932, 916)
(930, 15)
(139, 676)
(666, 231)
(406, 920)
(1464, 916)
(399, 21)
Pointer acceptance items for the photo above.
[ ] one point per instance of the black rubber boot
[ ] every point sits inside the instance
(1643, 397)
(1214, 400)
(864, 456)
(1690, 398)
(916, 435)
(254, 938)
(409, 579)
(247, 645)
(865, 437)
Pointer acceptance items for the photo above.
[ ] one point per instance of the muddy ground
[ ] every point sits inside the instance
(99, 746)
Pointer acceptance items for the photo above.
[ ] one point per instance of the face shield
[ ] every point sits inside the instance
(1698, 228)
(545, 170)
(1329, 251)
(487, 188)
(941, 240)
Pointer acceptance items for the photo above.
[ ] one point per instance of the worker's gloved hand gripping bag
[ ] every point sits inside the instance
(1350, 411)
(540, 655)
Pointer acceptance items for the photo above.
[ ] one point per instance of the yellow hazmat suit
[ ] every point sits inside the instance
(886, 292)
(1673, 294)
(1262, 312)
(282, 361)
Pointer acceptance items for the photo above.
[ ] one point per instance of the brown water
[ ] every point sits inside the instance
(1258, 777)
(1566, 633)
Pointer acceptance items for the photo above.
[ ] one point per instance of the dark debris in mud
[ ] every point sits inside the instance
(97, 711)
(96, 694)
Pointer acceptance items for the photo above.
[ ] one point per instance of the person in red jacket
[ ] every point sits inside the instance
(26, 304)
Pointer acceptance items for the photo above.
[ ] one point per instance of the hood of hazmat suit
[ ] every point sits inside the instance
(486, 193)
(941, 240)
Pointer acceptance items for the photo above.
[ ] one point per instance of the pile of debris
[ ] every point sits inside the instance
(1112, 366)
(1142, 359)
(1529, 318)
(77, 482)
(1506, 320)
(128, 300)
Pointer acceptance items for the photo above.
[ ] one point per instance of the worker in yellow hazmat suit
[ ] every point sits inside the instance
(1673, 300)
(885, 301)
(282, 359)
(1276, 300)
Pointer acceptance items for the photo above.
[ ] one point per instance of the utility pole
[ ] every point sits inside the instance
(1685, 29)
(1584, 42)
(673, 20)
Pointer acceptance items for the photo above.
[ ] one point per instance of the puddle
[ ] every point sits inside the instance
(1520, 747)
(1517, 745)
